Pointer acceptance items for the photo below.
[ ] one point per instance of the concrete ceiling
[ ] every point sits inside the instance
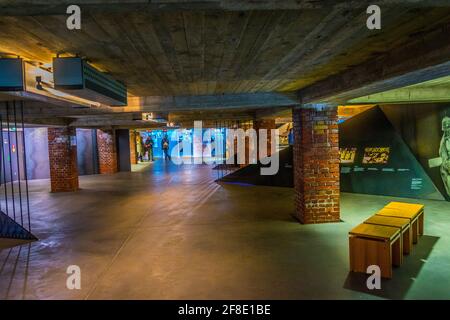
(206, 52)
(182, 56)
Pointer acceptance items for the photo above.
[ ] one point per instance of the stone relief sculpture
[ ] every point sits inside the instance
(444, 152)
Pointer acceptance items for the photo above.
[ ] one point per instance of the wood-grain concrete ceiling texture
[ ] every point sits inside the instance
(173, 48)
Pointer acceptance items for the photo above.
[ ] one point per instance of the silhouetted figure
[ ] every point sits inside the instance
(140, 147)
(165, 147)
(149, 147)
(291, 137)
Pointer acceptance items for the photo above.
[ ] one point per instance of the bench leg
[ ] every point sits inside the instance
(407, 240)
(421, 223)
(415, 231)
(351, 250)
(385, 259)
(397, 252)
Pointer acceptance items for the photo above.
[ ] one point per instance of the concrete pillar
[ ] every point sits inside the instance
(267, 124)
(133, 147)
(107, 151)
(62, 154)
(316, 164)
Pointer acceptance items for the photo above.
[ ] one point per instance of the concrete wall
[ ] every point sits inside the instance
(11, 159)
(36, 143)
(87, 152)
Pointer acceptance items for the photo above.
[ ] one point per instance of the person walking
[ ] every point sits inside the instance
(165, 147)
(291, 137)
(149, 147)
(139, 147)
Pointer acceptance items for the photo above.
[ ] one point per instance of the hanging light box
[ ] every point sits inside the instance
(11, 74)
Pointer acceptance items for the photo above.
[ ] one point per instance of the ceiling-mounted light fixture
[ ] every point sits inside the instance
(11, 74)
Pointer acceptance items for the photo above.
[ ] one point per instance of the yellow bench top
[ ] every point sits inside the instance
(397, 212)
(401, 223)
(407, 207)
(375, 231)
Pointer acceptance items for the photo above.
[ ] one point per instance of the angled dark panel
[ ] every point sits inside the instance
(402, 175)
(10, 229)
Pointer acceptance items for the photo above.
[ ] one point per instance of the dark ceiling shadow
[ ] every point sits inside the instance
(403, 276)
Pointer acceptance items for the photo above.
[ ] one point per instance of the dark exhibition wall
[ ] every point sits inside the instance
(123, 149)
(375, 159)
(425, 128)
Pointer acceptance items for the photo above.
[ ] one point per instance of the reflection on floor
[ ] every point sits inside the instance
(141, 166)
(172, 232)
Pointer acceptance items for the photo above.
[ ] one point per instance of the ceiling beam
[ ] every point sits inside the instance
(54, 7)
(285, 112)
(46, 122)
(123, 123)
(213, 116)
(407, 95)
(208, 102)
(38, 99)
(424, 59)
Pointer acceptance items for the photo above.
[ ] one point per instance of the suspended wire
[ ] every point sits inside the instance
(25, 166)
(15, 142)
(221, 150)
(215, 148)
(4, 166)
(10, 162)
(18, 163)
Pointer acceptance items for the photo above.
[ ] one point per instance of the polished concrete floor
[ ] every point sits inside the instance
(171, 232)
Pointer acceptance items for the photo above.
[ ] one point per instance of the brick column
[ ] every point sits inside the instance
(316, 164)
(107, 151)
(268, 124)
(133, 148)
(62, 154)
(245, 126)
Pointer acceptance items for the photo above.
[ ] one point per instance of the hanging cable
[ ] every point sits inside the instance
(10, 162)
(18, 162)
(4, 166)
(25, 166)
(215, 148)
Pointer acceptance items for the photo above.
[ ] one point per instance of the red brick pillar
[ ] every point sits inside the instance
(246, 125)
(316, 164)
(133, 148)
(268, 124)
(107, 151)
(62, 154)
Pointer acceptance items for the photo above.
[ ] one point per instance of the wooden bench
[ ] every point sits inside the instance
(404, 224)
(414, 212)
(372, 244)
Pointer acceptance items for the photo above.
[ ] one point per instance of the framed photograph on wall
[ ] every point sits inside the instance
(376, 155)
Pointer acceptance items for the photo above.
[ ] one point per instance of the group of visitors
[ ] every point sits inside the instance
(145, 148)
